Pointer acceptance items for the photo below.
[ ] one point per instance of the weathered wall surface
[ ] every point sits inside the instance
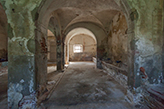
(147, 15)
(89, 48)
(3, 34)
(51, 43)
(116, 42)
(21, 45)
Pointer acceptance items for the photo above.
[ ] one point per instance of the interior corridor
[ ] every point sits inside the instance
(100, 54)
(84, 87)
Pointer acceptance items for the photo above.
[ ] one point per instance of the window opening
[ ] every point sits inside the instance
(77, 48)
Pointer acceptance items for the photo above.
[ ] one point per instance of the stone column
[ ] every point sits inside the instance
(59, 53)
(22, 83)
(100, 52)
(63, 50)
(41, 58)
(62, 55)
(21, 70)
(131, 49)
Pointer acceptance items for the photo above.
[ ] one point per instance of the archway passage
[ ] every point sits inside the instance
(97, 34)
(82, 48)
(80, 45)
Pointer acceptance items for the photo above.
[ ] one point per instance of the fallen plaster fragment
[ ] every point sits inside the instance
(51, 82)
(22, 81)
(14, 95)
(28, 102)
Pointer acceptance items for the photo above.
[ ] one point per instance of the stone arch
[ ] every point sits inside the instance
(91, 28)
(41, 33)
(74, 32)
(124, 7)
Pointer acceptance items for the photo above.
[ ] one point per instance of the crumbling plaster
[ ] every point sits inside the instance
(21, 51)
(148, 40)
(116, 42)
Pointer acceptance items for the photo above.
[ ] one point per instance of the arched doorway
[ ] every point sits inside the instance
(94, 21)
(66, 26)
(85, 42)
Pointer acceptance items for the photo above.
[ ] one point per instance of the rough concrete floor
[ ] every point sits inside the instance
(84, 87)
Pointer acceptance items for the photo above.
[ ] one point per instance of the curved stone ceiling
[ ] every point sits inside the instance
(85, 18)
(78, 31)
(68, 12)
(68, 16)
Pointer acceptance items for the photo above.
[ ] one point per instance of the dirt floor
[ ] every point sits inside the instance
(84, 87)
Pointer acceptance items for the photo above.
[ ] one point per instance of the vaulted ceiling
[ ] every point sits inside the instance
(65, 13)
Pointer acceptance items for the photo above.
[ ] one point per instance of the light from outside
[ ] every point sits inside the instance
(77, 48)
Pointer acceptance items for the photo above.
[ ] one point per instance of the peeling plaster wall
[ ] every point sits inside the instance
(147, 15)
(3, 34)
(89, 48)
(116, 48)
(21, 47)
(117, 41)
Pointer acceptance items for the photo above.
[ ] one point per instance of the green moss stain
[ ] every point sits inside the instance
(10, 32)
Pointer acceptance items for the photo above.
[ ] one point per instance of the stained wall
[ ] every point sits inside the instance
(116, 42)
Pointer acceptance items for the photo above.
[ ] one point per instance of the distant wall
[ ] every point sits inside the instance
(89, 48)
